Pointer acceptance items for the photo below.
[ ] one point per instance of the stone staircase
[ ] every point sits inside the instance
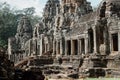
(93, 66)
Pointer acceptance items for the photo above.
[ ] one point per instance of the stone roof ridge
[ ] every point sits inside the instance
(88, 17)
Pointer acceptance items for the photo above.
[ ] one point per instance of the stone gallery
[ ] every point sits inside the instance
(71, 41)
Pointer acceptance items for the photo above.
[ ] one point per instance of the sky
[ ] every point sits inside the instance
(37, 4)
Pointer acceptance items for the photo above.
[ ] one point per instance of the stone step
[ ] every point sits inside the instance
(92, 72)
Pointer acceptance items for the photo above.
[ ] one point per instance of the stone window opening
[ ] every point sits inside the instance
(83, 46)
(55, 48)
(115, 42)
(58, 47)
(69, 47)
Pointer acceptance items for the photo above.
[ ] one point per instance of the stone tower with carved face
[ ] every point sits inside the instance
(72, 6)
(112, 7)
(24, 32)
(52, 8)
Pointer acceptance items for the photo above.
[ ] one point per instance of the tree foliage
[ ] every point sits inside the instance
(9, 19)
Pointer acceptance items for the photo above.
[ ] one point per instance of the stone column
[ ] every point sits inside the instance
(111, 42)
(49, 46)
(119, 41)
(66, 47)
(36, 47)
(86, 45)
(61, 48)
(107, 41)
(54, 47)
(95, 41)
(42, 46)
(78, 47)
(45, 47)
(57, 47)
(29, 47)
(72, 47)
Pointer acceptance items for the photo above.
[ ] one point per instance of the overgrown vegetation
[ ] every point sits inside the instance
(9, 19)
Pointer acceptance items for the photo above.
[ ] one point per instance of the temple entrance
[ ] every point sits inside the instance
(91, 41)
(69, 47)
(83, 46)
(75, 47)
(115, 42)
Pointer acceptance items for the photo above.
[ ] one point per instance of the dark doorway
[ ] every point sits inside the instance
(101, 36)
(75, 47)
(115, 41)
(69, 47)
(58, 47)
(83, 46)
(91, 40)
(55, 48)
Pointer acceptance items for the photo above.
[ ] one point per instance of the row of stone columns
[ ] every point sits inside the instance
(61, 47)
(46, 45)
(58, 47)
(16, 57)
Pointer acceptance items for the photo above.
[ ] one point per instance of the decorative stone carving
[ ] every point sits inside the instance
(102, 49)
(24, 31)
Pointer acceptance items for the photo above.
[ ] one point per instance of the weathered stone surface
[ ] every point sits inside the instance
(80, 42)
(19, 44)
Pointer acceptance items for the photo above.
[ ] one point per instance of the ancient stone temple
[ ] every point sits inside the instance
(72, 39)
(17, 44)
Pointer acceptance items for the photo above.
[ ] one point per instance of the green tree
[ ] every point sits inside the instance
(29, 11)
(9, 19)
